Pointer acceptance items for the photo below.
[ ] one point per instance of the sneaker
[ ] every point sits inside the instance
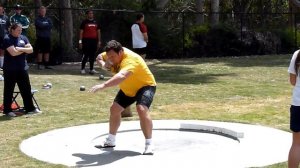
(11, 114)
(39, 67)
(35, 111)
(82, 71)
(92, 72)
(107, 144)
(1, 78)
(47, 67)
(149, 149)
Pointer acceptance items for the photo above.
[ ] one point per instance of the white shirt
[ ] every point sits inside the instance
(137, 37)
(296, 90)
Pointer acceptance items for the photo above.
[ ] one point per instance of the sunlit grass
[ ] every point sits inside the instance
(247, 89)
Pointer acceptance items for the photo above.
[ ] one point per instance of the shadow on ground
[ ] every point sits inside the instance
(89, 160)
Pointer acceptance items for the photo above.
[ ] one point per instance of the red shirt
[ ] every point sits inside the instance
(90, 28)
(143, 27)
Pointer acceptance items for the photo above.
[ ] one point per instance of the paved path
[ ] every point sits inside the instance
(178, 143)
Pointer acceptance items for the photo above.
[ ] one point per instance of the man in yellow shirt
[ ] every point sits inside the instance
(137, 84)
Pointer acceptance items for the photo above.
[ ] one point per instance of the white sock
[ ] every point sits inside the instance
(1, 60)
(112, 137)
(148, 141)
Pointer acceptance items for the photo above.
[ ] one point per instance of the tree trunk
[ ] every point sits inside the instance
(292, 9)
(215, 5)
(199, 8)
(67, 26)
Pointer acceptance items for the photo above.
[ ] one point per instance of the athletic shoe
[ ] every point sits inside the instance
(107, 144)
(82, 71)
(1, 78)
(149, 149)
(92, 72)
(35, 111)
(39, 67)
(11, 114)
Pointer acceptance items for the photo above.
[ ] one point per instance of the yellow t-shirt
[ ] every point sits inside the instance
(141, 74)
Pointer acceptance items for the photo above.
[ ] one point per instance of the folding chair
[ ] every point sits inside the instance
(33, 91)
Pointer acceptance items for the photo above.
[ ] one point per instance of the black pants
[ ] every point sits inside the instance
(89, 48)
(21, 78)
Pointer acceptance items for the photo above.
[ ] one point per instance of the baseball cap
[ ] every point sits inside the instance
(18, 6)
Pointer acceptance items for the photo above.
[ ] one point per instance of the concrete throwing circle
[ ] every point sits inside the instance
(178, 143)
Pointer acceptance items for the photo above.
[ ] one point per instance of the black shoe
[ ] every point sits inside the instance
(47, 67)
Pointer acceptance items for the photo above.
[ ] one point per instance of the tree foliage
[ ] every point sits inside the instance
(171, 23)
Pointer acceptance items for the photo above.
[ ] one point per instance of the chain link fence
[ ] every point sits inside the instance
(176, 34)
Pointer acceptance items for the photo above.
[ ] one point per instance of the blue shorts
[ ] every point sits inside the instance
(295, 118)
(144, 96)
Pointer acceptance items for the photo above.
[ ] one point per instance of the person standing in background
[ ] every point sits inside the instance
(43, 25)
(89, 41)
(19, 18)
(4, 24)
(294, 76)
(15, 70)
(139, 36)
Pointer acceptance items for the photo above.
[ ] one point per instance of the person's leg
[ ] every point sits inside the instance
(39, 60)
(114, 124)
(92, 53)
(115, 118)
(46, 51)
(145, 120)
(9, 86)
(84, 56)
(294, 154)
(1, 58)
(1, 52)
(25, 90)
(47, 61)
(121, 101)
(144, 100)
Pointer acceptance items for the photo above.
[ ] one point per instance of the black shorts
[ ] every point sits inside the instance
(140, 51)
(144, 96)
(43, 45)
(295, 118)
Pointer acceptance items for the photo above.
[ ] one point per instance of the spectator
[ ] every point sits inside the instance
(294, 154)
(4, 24)
(137, 84)
(43, 25)
(89, 41)
(139, 35)
(18, 18)
(15, 70)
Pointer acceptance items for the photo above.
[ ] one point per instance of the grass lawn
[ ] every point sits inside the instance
(252, 90)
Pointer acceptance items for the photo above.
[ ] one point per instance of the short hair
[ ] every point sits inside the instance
(113, 45)
(87, 11)
(42, 7)
(139, 16)
(15, 25)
